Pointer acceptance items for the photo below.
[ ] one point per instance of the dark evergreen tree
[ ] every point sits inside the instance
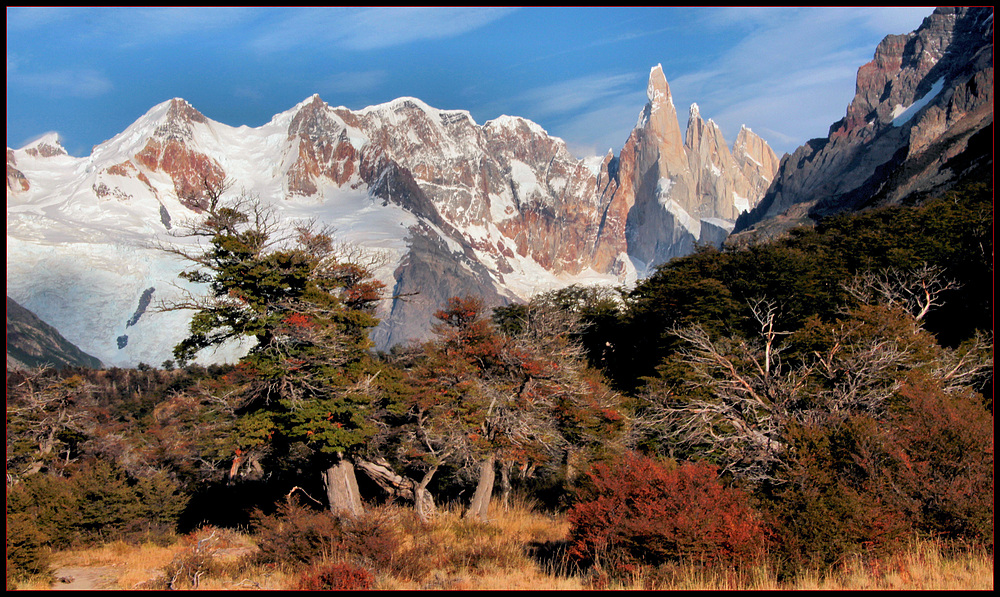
(307, 305)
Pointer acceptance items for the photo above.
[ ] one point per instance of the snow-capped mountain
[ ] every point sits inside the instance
(501, 210)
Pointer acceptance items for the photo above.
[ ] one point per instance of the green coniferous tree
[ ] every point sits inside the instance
(308, 306)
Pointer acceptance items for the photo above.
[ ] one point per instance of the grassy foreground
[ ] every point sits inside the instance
(520, 549)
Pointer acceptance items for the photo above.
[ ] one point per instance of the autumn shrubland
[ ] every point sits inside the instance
(522, 549)
(813, 412)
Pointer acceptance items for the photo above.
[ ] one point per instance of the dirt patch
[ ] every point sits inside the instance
(78, 578)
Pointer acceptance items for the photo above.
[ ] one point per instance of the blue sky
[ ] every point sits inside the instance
(580, 73)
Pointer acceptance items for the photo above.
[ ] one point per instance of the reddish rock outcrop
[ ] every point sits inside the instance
(45, 150)
(16, 181)
(190, 170)
(324, 149)
(168, 151)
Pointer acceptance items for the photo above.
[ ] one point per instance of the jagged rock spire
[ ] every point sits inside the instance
(679, 191)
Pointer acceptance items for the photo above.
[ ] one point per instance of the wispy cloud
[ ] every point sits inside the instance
(23, 18)
(81, 83)
(265, 29)
(574, 94)
(137, 26)
(129, 26)
(902, 19)
(592, 113)
(360, 29)
(595, 131)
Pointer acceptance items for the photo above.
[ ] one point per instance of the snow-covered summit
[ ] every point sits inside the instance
(514, 122)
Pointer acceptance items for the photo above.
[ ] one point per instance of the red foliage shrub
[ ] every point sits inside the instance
(340, 576)
(296, 534)
(299, 320)
(944, 460)
(857, 485)
(640, 511)
(372, 539)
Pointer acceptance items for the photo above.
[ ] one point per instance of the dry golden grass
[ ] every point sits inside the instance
(131, 563)
(924, 566)
(34, 584)
(455, 554)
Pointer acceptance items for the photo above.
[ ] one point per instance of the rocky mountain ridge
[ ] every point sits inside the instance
(501, 210)
(921, 122)
(677, 191)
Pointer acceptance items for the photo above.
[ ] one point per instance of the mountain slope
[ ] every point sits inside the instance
(921, 122)
(31, 343)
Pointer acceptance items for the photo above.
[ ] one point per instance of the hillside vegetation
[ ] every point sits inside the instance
(786, 414)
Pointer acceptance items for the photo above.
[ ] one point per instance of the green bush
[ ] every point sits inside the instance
(48, 504)
(829, 504)
(98, 502)
(160, 503)
(27, 551)
(108, 504)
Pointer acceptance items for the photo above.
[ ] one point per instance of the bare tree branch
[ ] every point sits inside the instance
(917, 290)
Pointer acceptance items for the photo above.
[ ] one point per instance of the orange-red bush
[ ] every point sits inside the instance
(340, 576)
(640, 511)
(943, 444)
(298, 535)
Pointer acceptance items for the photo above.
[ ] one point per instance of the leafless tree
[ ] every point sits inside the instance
(916, 290)
(741, 396)
(40, 409)
(741, 401)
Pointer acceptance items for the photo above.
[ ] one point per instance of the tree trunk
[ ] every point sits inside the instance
(574, 462)
(423, 501)
(393, 484)
(381, 472)
(505, 485)
(234, 470)
(342, 489)
(480, 505)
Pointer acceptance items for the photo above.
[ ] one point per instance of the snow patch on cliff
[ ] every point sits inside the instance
(903, 114)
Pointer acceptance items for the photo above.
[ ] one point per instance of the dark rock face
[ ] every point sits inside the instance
(428, 276)
(432, 270)
(31, 343)
(914, 128)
